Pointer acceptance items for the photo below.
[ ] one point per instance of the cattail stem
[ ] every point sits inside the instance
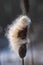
(22, 61)
(25, 6)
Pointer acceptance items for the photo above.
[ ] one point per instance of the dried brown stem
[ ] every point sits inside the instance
(25, 6)
(22, 61)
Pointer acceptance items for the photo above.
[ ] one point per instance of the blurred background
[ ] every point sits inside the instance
(11, 9)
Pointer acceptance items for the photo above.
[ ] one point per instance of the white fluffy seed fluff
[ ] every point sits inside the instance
(13, 29)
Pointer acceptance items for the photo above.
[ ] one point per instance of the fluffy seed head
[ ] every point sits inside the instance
(13, 29)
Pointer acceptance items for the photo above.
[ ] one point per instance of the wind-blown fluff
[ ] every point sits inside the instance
(13, 29)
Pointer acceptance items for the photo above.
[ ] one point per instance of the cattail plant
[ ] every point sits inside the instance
(17, 32)
(17, 35)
